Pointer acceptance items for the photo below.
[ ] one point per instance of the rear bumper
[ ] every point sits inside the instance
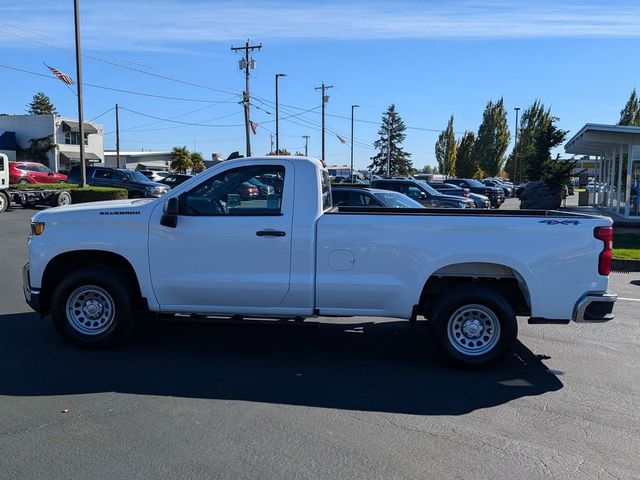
(593, 308)
(32, 296)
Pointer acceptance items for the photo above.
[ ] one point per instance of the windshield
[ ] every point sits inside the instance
(397, 200)
(475, 183)
(136, 176)
(425, 186)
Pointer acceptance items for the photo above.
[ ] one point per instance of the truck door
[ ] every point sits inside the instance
(228, 252)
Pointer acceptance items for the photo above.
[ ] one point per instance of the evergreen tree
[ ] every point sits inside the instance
(197, 162)
(446, 150)
(493, 138)
(630, 114)
(181, 159)
(400, 160)
(41, 105)
(466, 165)
(539, 134)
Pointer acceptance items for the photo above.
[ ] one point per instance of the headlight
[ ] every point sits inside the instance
(37, 228)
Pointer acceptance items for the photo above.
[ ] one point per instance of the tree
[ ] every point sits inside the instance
(181, 159)
(493, 138)
(466, 164)
(630, 114)
(429, 169)
(41, 105)
(197, 162)
(539, 134)
(400, 161)
(282, 151)
(446, 150)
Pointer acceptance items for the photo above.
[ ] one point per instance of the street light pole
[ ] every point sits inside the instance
(278, 75)
(515, 151)
(352, 108)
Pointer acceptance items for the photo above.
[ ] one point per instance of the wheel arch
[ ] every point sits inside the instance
(67, 262)
(503, 278)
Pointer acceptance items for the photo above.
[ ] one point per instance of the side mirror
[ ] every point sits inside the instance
(423, 195)
(50, 173)
(170, 215)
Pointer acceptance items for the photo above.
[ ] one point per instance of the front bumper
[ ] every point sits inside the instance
(594, 308)
(32, 296)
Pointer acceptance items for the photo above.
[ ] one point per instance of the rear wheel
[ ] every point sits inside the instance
(474, 325)
(63, 198)
(4, 202)
(94, 307)
(23, 181)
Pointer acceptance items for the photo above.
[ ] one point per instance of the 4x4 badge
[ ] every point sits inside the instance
(560, 222)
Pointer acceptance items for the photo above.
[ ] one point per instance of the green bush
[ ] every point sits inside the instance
(45, 186)
(97, 194)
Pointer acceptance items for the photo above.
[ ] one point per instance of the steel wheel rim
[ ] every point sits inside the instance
(3, 202)
(64, 200)
(473, 330)
(90, 310)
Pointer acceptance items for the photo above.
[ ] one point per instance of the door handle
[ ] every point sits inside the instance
(270, 233)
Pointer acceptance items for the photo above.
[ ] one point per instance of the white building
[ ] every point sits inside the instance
(60, 132)
(138, 160)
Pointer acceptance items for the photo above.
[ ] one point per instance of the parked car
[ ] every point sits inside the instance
(248, 191)
(154, 175)
(298, 256)
(370, 197)
(264, 190)
(175, 179)
(421, 192)
(495, 194)
(33, 172)
(134, 182)
(490, 182)
(481, 201)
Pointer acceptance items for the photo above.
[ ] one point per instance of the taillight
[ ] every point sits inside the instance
(604, 260)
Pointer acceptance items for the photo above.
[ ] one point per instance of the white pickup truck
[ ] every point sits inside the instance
(259, 238)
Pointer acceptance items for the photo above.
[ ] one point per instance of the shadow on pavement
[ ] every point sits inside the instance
(360, 366)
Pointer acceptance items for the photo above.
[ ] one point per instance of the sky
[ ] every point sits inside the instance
(169, 66)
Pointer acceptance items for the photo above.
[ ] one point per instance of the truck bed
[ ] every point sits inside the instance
(460, 212)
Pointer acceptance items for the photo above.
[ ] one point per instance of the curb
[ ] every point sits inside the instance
(623, 265)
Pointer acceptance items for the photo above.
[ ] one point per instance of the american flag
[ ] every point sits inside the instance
(254, 127)
(60, 75)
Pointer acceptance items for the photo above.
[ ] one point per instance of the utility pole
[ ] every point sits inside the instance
(246, 64)
(117, 138)
(83, 166)
(325, 99)
(271, 149)
(306, 145)
(352, 108)
(515, 150)
(278, 75)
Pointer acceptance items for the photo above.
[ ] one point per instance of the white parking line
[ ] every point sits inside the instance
(629, 299)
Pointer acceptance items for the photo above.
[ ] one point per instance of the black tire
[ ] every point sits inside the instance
(78, 328)
(462, 320)
(23, 181)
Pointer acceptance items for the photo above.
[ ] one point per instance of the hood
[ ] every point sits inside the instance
(111, 207)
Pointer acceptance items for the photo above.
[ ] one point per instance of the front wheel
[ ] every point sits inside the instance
(474, 325)
(94, 307)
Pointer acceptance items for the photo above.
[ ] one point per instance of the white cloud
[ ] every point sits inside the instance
(165, 25)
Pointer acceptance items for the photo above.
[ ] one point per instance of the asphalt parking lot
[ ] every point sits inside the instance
(330, 399)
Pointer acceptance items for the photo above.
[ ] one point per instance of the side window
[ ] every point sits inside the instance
(327, 200)
(241, 191)
(102, 174)
(340, 198)
(118, 176)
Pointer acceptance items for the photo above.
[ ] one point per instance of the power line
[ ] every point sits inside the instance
(157, 75)
(103, 113)
(177, 121)
(131, 92)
